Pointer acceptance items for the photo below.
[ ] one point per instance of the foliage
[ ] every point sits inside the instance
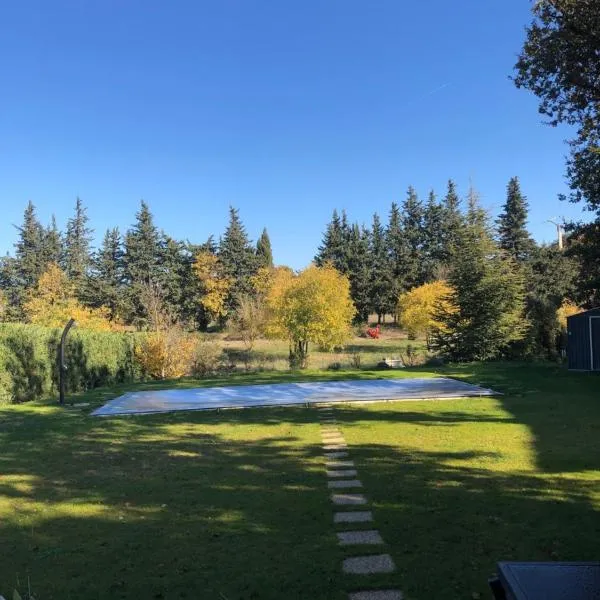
(560, 63)
(207, 358)
(381, 284)
(29, 253)
(3, 306)
(485, 311)
(333, 250)
(512, 224)
(250, 319)
(566, 309)
(52, 303)
(28, 361)
(418, 308)
(166, 354)
(313, 306)
(584, 247)
(215, 283)
(264, 253)
(77, 247)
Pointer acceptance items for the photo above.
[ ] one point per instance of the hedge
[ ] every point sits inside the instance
(29, 366)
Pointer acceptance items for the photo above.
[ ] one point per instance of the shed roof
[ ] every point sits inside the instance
(591, 312)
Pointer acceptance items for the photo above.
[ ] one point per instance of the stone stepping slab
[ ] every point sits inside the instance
(368, 565)
(355, 516)
(336, 464)
(334, 435)
(343, 483)
(346, 473)
(376, 595)
(338, 439)
(350, 538)
(335, 455)
(335, 447)
(331, 431)
(348, 499)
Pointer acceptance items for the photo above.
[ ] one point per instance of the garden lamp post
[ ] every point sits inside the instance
(61, 361)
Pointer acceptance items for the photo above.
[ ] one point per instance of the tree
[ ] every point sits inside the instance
(250, 320)
(77, 247)
(29, 252)
(381, 285)
(237, 259)
(11, 286)
(334, 248)
(487, 300)
(583, 246)
(215, 284)
(433, 249)
(359, 271)
(452, 222)
(108, 276)
(4, 307)
(412, 229)
(560, 64)
(512, 224)
(398, 251)
(313, 306)
(264, 254)
(418, 309)
(52, 244)
(53, 302)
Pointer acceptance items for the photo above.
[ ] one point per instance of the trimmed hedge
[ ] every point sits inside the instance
(29, 361)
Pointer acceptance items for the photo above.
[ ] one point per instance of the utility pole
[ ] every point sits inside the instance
(559, 232)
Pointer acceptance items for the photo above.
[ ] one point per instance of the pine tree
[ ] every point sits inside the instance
(264, 253)
(237, 257)
(412, 229)
(398, 252)
(108, 276)
(52, 244)
(334, 248)
(77, 247)
(175, 260)
(512, 223)
(433, 243)
(381, 285)
(452, 221)
(11, 287)
(485, 314)
(358, 271)
(142, 262)
(29, 249)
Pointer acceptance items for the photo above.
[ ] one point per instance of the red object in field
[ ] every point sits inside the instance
(374, 332)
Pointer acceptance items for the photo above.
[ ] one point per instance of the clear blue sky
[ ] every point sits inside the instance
(284, 109)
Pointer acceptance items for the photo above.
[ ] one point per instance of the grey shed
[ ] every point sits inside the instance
(583, 344)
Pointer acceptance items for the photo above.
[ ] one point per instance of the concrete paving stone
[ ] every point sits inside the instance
(332, 434)
(354, 516)
(376, 595)
(343, 483)
(335, 455)
(338, 439)
(348, 499)
(331, 430)
(368, 565)
(335, 447)
(344, 473)
(350, 538)
(339, 464)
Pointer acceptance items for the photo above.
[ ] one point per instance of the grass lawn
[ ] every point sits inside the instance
(233, 505)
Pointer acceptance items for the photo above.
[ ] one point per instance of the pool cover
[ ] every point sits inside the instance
(283, 394)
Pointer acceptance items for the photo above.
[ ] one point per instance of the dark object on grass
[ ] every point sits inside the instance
(390, 363)
(547, 581)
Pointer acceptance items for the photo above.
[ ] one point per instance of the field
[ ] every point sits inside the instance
(233, 505)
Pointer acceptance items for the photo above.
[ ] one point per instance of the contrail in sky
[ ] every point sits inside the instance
(437, 89)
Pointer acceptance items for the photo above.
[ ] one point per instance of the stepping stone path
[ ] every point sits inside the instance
(341, 475)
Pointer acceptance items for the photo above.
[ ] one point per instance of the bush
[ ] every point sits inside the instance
(29, 361)
(355, 359)
(207, 358)
(166, 354)
(334, 366)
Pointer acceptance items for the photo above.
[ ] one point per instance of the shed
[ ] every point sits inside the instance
(583, 343)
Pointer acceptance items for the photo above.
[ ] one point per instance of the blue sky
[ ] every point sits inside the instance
(284, 109)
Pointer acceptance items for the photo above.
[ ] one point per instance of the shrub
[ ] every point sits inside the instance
(355, 359)
(207, 358)
(29, 364)
(166, 354)
(334, 366)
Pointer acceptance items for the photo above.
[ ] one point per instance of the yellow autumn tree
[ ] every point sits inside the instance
(567, 309)
(313, 306)
(52, 302)
(215, 283)
(417, 308)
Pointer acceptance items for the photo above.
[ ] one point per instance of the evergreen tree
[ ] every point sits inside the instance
(433, 242)
(381, 285)
(358, 271)
(412, 230)
(52, 244)
(452, 221)
(238, 258)
(77, 247)
(29, 249)
(476, 216)
(334, 248)
(512, 224)
(142, 262)
(485, 315)
(175, 262)
(398, 252)
(264, 253)
(108, 276)
(12, 289)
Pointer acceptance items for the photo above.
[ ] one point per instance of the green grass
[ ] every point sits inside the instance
(234, 505)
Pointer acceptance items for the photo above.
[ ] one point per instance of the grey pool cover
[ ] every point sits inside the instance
(282, 394)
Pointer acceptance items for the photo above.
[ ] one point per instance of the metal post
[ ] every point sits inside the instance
(61, 361)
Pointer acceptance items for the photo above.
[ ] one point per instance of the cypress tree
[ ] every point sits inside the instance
(238, 258)
(29, 249)
(512, 223)
(77, 247)
(264, 253)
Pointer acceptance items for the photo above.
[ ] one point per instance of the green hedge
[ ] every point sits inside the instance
(29, 366)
